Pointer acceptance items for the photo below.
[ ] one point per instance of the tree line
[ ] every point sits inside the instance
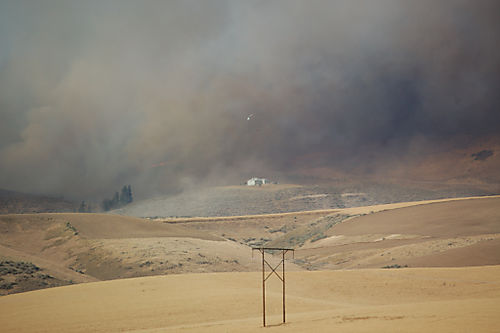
(119, 199)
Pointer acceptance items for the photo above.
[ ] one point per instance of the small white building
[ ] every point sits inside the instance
(257, 181)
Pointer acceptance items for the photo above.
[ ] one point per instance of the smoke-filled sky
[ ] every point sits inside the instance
(97, 94)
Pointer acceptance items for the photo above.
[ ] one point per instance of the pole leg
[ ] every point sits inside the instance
(263, 291)
(283, 286)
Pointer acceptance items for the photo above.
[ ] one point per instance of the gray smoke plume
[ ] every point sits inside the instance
(97, 94)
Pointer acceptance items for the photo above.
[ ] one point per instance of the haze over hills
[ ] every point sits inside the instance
(453, 162)
(269, 199)
(336, 88)
(446, 172)
(452, 170)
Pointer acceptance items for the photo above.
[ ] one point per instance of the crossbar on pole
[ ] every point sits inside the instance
(273, 270)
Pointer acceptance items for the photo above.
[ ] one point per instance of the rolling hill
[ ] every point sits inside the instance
(74, 248)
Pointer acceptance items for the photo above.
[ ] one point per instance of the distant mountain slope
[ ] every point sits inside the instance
(235, 200)
(448, 163)
(12, 202)
(445, 170)
(270, 199)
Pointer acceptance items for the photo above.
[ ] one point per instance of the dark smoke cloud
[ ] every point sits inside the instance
(96, 94)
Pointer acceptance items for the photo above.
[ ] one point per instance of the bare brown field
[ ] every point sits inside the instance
(370, 300)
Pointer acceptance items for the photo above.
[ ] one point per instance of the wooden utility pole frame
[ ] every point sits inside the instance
(262, 250)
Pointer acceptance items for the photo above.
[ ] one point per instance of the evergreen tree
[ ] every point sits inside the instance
(116, 200)
(106, 205)
(130, 198)
(124, 196)
(83, 207)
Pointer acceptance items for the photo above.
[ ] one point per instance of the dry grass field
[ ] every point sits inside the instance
(444, 255)
(369, 300)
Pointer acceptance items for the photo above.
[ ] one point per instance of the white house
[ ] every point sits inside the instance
(257, 181)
